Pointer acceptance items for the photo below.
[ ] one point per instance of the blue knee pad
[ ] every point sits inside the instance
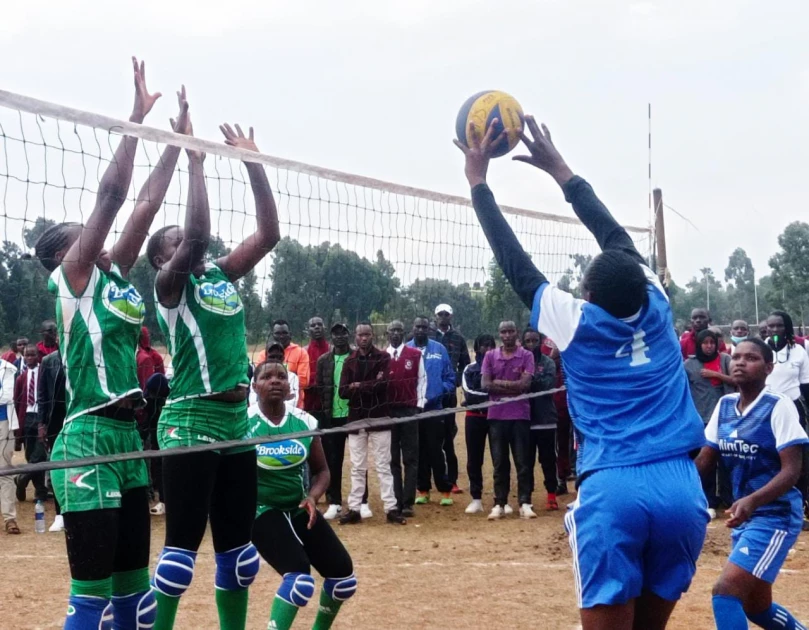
(236, 569)
(174, 571)
(340, 589)
(137, 611)
(296, 589)
(84, 611)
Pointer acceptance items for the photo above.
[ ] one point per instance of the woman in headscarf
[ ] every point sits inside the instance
(709, 379)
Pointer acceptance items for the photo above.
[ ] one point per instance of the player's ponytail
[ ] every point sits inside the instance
(53, 240)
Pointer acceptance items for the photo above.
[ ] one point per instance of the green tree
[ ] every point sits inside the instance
(790, 269)
(501, 302)
(742, 277)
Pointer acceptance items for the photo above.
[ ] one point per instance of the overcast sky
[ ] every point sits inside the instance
(373, 88)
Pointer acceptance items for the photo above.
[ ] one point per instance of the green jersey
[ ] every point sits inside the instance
(280, 463)
(206, 337)
(339, 407)
(98, 339)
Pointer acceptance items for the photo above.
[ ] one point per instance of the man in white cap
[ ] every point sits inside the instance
(458, 352)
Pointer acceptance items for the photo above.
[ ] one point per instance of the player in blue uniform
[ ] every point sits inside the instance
(758, 435)
(639, 522)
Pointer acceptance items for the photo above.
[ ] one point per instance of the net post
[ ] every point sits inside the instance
(660, 236)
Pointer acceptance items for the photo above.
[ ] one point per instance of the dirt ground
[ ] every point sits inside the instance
(444, 569)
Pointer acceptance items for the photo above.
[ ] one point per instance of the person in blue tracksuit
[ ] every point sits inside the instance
(640, 519)
(757, 434)
(440, 382)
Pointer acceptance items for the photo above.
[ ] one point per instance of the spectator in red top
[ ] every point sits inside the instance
(700, 320)
(50, 339)
(15, 352)
(150, 361)
(318, 346)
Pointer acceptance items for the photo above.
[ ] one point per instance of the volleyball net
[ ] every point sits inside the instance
(353, 248)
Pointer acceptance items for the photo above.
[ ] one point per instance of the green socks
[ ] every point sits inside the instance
(232, 608)
(282, 614)
(326, 612)
(92, 588)
(166, 611)
(128, 582)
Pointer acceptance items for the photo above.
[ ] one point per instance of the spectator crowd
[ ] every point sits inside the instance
(344, 375)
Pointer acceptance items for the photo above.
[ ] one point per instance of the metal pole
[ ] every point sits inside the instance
(660, 236)
(755, 293)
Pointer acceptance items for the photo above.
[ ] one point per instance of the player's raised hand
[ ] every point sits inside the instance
(544, 154)
(237, 138)
(182, 124)
(479, 152)
(143, 100)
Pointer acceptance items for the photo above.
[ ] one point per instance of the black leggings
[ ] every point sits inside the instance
(100, 542)
(289, 547)
(199, 486)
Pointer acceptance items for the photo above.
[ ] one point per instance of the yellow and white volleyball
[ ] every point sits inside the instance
(481, 109)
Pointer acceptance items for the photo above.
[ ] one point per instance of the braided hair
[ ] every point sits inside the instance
(789, 327)
(616, 283)
(53, 240)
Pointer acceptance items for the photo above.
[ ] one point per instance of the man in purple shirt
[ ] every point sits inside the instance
(507, 372)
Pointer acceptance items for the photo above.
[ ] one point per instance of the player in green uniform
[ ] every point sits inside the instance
(99, 315)
(202, 317)
(289, 532)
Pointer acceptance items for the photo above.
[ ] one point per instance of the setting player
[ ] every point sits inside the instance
(758, 435)
(99, 315)
(202, 316)
(289, 532)
(639, 522)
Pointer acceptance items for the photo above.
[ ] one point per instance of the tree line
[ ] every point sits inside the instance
(339, 285)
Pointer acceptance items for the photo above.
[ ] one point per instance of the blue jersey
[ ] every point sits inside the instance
(627, 389)
(750, 443)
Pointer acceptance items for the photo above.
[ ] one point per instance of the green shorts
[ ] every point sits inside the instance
(96, 487)
(199, 421)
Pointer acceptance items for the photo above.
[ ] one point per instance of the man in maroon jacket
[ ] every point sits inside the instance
(407, 391)
(364, 383)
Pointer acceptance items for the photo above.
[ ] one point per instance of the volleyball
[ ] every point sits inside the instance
(484, 107)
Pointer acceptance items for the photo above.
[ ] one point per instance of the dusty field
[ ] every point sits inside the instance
(444, 569)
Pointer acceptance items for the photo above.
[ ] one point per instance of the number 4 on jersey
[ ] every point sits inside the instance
(636, 348)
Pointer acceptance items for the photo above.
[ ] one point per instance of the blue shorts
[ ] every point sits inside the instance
(761, 545)
(637, 528)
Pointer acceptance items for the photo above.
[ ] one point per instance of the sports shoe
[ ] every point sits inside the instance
(394, 517)
(475, 507)
(158, 509)
(365, 511)
(58, 524)
(552, 503)
(456, 489)
(422, 498)
(409, 512)
(561, 489)
(507, 510)
(712, 513)
(526, 511)
(333, 512)
(446, 499)
(352, 517)
(496, 513)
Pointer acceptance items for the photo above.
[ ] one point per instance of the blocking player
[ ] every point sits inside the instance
(289, 532)
(634, 551)
(99, 315)
(758, 435)
(202, 316)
